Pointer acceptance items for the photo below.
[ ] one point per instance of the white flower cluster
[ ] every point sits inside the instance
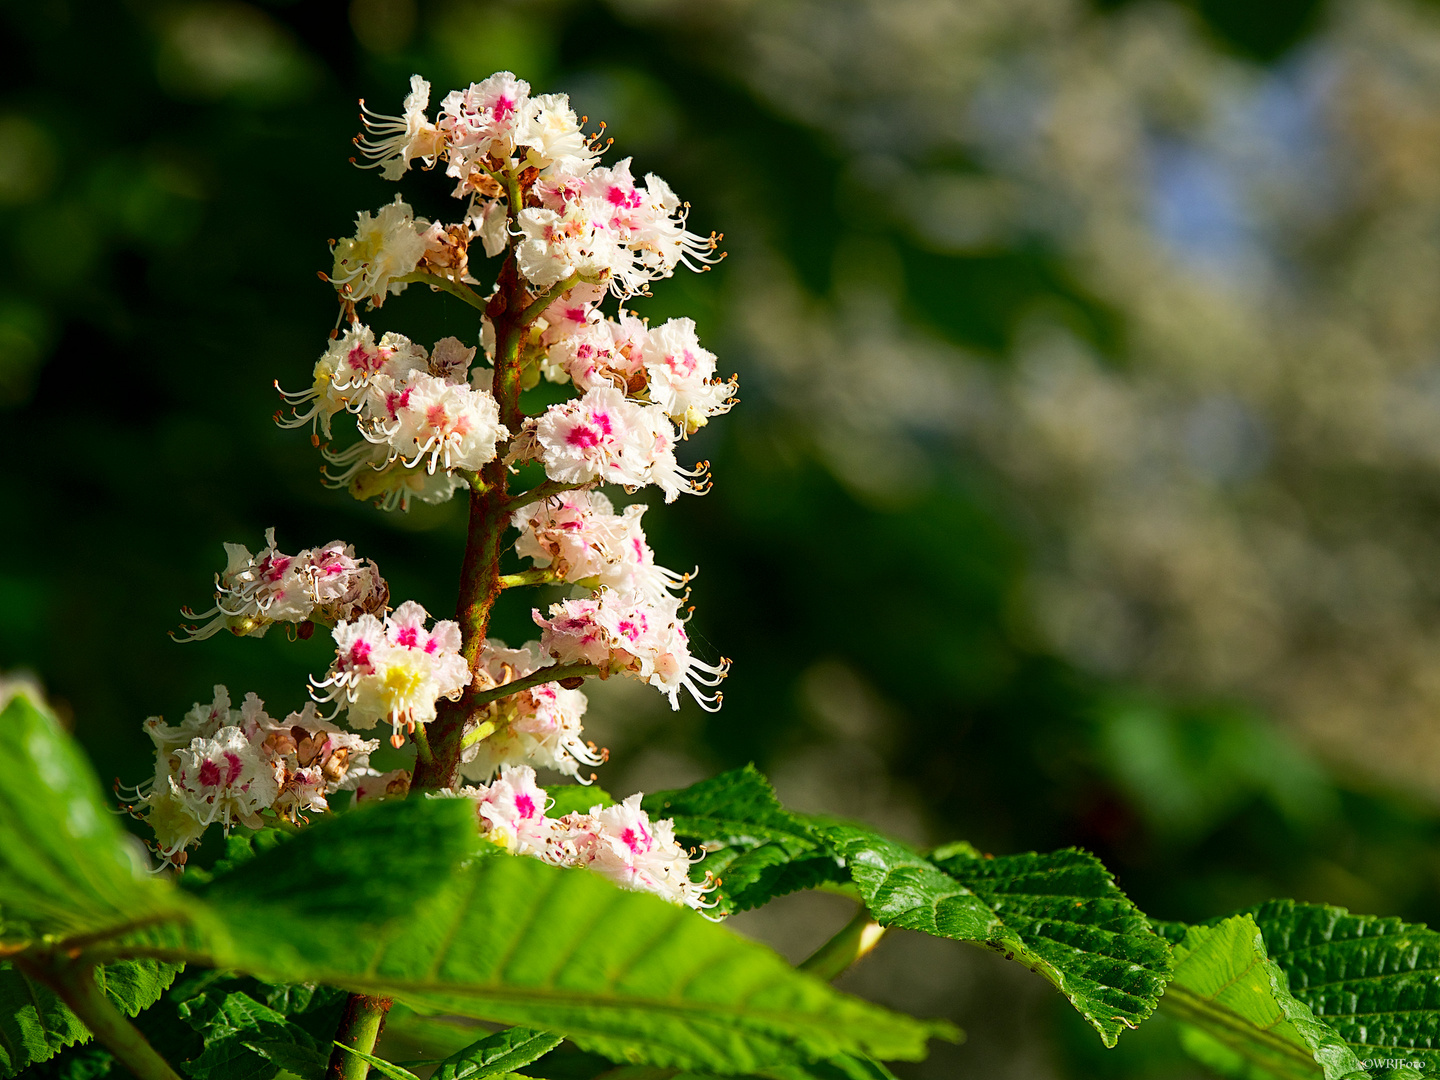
(630, 634)
(579, 538)
(231, 765)
(394, 670)
(666, 365)
(421, 419)
(326, 585)
(574, 232)
(589, 220)
(608, 438)
(540, 725)
(618, 842)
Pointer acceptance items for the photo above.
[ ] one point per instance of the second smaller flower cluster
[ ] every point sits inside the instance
(619, 842)
(326, 584)
(422, 415)
(229, 766)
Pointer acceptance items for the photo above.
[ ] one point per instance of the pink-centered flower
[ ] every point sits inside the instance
(396, 670)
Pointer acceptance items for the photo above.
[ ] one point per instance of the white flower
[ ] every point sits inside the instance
(444, 424)
(344, 374)
(399, 140)
(549, 131)
(602, 354)
(317, 757)
(489, 220)
(481, 121)
(376, 472)
(450, 360)
(619, 842)
(415, 410)
(556, 245)
(384, 247)
(681, 375)
(176, 827)
(202, 721)
(603, 224)
(394, 671)
(628, 634)
(570, 312)
(225, 778)
(370, 786)
(512, 811)
(604, 436)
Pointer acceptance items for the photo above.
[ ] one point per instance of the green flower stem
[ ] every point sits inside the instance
(422, 744)
(536, 307)
(513, 196)
(553, 673)
(454, 288)
(544, 490)
(480, 734)
(855, 939)
(360, 1028)
(536, 576)
(76, 985)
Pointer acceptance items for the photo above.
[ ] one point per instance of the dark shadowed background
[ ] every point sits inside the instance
(1085, 487)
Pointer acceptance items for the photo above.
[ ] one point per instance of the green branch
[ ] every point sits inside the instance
(480, 734)
(537, 307)
(513, 196)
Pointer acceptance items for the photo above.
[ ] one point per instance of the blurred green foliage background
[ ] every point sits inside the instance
(1084, 489)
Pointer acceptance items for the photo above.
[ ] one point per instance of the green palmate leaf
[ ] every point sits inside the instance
(625, 974)
(66, 865)
(902, 888)
(503, 1052)
(758, 849)
(1064, 917)
(245, 1040)
(1059, 914)
(1375, 981)
(1241, 1018)
(35, 1024)
(846, 1067)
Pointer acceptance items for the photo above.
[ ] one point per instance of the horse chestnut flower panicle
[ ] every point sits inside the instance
(428, 423)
